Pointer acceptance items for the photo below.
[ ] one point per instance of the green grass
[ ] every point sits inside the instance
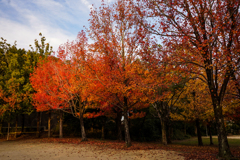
(206, 141)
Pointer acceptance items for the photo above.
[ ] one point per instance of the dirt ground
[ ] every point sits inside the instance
(28, 150)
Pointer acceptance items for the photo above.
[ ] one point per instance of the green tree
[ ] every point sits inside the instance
(16, 67)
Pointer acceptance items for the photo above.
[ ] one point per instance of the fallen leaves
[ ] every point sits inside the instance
(188, 152)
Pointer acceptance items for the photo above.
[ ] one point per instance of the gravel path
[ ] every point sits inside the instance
(23, 150)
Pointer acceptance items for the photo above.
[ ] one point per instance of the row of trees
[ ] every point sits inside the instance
(125, 68)
(192, 75)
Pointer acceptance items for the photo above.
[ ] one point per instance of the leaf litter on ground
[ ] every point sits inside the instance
(189, 152)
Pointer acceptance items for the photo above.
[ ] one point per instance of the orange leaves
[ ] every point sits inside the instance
(55, 82)
(115, 72)
(93, 114)
(10, 99)
(195, 102)
(62, 83)
(137, 115)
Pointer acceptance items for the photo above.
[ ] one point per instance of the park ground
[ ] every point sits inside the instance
(27, 148)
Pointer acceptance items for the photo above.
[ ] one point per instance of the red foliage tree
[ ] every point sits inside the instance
(59, 83)
(117, 75)
(204, 34)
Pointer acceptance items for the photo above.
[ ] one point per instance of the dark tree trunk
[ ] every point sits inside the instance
(8, 131)
(49, 124)
(23, 123)
(1, 127)
(223, 146)
(164, 132)
(162, 117)
(127, 134)
(199, 135)
(169, 132)
(103, 128)
(126, 124)
(195, 130)
(119, 125)
(210, 132)
(84, 137)
(224, 149)
(206, 131)
(38, 124)
(40, 119)
(185, 128)
(16, 125)
(61, 124)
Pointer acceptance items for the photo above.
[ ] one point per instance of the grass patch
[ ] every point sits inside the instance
(206, 141)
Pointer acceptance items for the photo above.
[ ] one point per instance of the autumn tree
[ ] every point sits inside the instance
(43, 84)
(59, 83)
(40, 50)
(165, 82)
(116, 73)
(164, 103)
(194, 105)
(166, 88)
(200, 33)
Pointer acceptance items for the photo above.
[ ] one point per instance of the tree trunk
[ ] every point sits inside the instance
(210, 132)
(38, 125)
(195, 131)
(127, 134)
(103, 128)
(40, 119)
(164, 132)
(49, 124)
(206, 131)
(119, 125)
(84, 137)
(16, 125)
(169, 131)
(162, 119)
(185, 128)
(0, 127)
(224, 149)
(200, 143)
(61, 124)
(8, 131)
(23, 123)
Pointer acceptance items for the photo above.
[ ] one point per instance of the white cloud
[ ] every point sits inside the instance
(22, 20)
(25, 35)
(87, 3)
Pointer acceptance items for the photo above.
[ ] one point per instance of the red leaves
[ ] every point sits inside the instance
(93, 114)
(114, 69)
(137, 115)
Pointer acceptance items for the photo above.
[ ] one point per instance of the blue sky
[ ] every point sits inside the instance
(57, 20)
